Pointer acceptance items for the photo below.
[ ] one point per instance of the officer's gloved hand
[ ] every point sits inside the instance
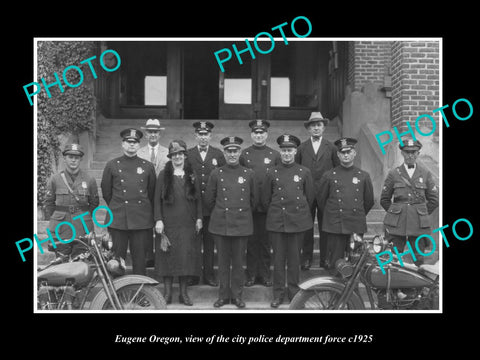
(159, 227)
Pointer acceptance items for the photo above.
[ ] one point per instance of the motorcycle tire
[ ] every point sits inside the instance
(321, 298)
(148, 298)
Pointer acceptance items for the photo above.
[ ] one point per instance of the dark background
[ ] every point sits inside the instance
(90, 334)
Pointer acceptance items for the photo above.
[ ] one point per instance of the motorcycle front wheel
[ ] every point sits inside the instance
(323, 298)
(138, 297)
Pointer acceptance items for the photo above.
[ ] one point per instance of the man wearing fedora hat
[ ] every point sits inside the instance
(157, 155)
(409, 197)
(319, 155)
(70, 193)
(128, 185)
(345, 196)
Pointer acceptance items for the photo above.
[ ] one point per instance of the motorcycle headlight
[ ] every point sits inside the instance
(355, 241)
(378, 243)
(116, 266)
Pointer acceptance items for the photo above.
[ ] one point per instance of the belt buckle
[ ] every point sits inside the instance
(71, 208)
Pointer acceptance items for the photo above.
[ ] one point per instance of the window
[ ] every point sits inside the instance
(155, 90)
(238, 91)
(280, 91)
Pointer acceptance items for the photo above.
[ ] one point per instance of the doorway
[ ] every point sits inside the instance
(200, 81)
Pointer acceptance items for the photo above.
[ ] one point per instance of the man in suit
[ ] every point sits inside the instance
(287, 195)
(319, 155)
(204, 158)
(260, 158)
(128, 185)
(70, 193)
(230, 195)
(345, 196)
(409, 196)
(157, 155)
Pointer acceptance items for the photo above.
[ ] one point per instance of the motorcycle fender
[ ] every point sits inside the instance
(119, 283)
(321, 281)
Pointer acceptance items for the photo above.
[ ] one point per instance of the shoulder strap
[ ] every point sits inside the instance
(62, 174)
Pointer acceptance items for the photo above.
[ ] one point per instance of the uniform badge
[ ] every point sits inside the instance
(434, 188)
(214, 162)
(421, 180)
(267, 161)
(296, 178)
(355, 180)
(139, 170)
(84, 184)
(241, 180)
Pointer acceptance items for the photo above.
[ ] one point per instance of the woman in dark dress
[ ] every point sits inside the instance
(178, 214)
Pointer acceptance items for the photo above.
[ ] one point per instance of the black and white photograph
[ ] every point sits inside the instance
(240, 187)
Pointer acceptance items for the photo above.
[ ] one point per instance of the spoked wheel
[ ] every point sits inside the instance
(323, 298)
(139, 297)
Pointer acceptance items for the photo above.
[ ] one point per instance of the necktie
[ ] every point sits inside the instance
(204, 149)
(316, 138)
(411, 166)
(152, 156)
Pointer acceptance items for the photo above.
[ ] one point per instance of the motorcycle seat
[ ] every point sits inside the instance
(431, 268)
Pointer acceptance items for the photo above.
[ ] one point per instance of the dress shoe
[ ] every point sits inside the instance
(221, 302)
(250, 282)
(150, 263)
(276, 302)
(194, 280)
(185, 300)
(306, 265)
(168, 298)
(238, 303)
(210, 282)
(264, 282)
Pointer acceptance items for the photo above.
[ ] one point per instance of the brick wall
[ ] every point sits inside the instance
(415, 82)
(369, 61)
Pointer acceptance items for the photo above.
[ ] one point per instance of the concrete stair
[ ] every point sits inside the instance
(108, 146)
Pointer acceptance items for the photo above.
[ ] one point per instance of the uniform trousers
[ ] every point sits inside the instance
(135, 241)
(308, 240)
(336, 246)
(148, 246)
(400, 243)
(286, 259)
(208, 250)
(231, 250)
(258, 249)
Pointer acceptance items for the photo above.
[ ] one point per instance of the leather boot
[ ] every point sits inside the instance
(183, 298)
(167, 283)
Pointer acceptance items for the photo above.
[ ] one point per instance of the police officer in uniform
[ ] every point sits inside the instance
(204, 158)
(71, 193)
(128, 185)
(345, 197)
(409, 196)
(288, 195)
(319, 155)
(260, 158)
(230, 195)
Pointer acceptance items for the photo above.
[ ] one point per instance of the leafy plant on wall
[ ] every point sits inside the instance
(69, 112)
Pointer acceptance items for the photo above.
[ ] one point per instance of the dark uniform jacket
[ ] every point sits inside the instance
(58, 198)
(288, 195)
(346, 197)
(325, 159)
(230, 195)
(128, 185)
(260, 159)
(213, 159)
(413, 200)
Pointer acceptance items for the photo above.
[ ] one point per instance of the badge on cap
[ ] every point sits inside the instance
(259, 123)
(296, 178)
(214, 162)
(84, 184)
(74, 147)
(355, 180)
(139, 170)
(241, 180)
(344, 142)
(267, 161)
(410, 142)
(133, 133)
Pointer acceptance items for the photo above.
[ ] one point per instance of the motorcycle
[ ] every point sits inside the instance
(406, 287)
(95, 280)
